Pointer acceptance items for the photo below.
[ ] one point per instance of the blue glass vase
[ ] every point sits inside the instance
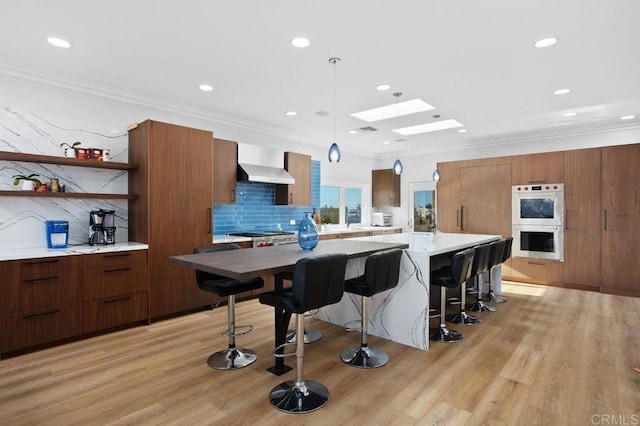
(308, 233)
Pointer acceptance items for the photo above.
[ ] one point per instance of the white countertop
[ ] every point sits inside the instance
(434, 244)
(39, 252)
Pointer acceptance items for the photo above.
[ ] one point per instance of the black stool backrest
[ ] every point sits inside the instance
(481, 259)
(318, 281)
(497, 249)
(508, 242)
(382, 269)
(202, 275)
(461, 267)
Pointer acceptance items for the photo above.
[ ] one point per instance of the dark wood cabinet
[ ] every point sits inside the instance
(621, 219)
(299, 193)
(537, 168)
(225, 171)
(385, 188)
(583, 223)
(173, 211)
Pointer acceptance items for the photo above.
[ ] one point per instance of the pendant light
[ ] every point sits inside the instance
(397, 165)
(436, 172)
(334, 150)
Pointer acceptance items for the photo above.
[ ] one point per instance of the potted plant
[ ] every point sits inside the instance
(70, 151)
(27, 183)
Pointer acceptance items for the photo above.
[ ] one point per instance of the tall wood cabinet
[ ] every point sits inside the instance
(172, 213)
(621, 219)
(545, 167)
(448, 197)
(385, 188)
(225, 171)
(299, 193)
(583, 223)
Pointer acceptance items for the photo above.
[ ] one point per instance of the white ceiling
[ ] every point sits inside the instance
(473, 60)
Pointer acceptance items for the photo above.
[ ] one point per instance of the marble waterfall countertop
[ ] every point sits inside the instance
(41, 252)
(402, 313)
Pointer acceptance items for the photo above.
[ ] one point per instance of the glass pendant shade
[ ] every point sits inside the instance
(397, 167)
(436, 175)
(334, 153)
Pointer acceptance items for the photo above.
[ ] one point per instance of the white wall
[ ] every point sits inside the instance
(47, 115)
(419, 168)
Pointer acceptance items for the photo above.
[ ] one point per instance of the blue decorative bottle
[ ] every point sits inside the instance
(308, 233)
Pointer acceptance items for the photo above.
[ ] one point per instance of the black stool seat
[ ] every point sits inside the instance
(232, 358)
(381, 273)
(478, 266)
(450, 276)
(317, 281)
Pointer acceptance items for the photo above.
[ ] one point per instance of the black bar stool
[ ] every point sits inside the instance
(381, 273)
(317, 281)
(506, 254)
(479, 265)
(450, 276)
(310, 335)
(232, 358)
(495, 254)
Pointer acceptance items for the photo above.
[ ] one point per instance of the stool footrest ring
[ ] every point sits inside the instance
(244, 329)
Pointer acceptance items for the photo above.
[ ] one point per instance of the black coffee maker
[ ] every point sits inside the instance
(102, 229)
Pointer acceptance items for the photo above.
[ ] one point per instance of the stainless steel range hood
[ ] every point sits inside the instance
(259, 164)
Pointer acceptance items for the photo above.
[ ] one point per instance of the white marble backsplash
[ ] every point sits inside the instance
(22, 218)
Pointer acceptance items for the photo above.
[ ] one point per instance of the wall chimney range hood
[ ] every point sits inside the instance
(259, 164)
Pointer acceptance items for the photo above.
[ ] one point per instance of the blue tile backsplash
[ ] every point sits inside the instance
(255, 209)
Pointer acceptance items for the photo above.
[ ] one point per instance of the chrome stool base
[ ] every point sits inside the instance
(364, 357)
(481, 307)
(444, 335)
(310, 336)
(463, 319)
(231, 359)
(299, 398)
(493, 298)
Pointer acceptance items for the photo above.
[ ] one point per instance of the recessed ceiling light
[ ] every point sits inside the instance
(58, 42)
(628, 117)
(386, 142)
(394, 110)
(353, 132)
(546, 42)
(291, 113)
(561, 91)
(571, 114)
(300, 42)
(429, 127)
(205, 87)
(462, 131)
(322, 113)
(383, 87)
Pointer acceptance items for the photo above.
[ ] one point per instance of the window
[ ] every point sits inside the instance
(342, 204)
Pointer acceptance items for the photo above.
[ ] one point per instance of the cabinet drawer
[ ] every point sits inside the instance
(9, 295)
(40, 326)
(114, 280)
(47, 265)
(50, 289)
(9, 268)
(534, 270)
(105, 260)
(113, 311)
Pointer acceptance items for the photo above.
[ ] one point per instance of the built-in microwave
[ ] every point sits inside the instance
(538, 204)
(538, 242)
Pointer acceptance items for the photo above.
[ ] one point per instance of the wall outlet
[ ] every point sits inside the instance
(292, 222)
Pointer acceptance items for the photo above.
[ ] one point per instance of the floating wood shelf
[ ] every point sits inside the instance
(67, 195)
(65, 161)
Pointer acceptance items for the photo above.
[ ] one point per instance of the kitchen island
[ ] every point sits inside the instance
(402, 313)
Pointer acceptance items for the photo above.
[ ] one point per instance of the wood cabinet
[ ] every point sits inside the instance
(533, 270)
(385, 188)
(546, 167)
(583, 222)
(448, 197)
(299, 193)
(621, 219)
(225, 171)
(173, 211)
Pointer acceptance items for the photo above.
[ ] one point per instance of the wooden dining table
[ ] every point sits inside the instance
(276, 260)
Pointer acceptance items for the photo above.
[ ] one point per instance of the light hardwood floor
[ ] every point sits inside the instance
(548, 356)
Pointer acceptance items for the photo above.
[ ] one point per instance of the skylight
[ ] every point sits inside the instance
(429, 127)
(394, 110)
